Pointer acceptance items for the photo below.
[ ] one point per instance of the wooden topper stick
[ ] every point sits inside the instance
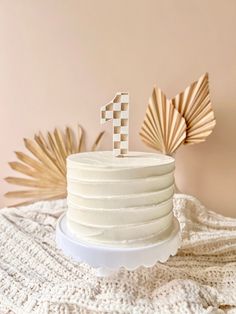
(118, 111)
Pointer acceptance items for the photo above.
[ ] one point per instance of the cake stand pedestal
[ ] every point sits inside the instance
(108, 260)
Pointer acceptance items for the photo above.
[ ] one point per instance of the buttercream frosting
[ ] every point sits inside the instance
(119, 200)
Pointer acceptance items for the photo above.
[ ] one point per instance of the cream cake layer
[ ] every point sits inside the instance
(115, 200)
(115, 234)
(101, 166)
(119, 187)
(121, 216)
(124, 200)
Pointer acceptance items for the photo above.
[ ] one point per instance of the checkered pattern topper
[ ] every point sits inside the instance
(118, 111)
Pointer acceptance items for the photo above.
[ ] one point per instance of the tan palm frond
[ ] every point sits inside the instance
(163, 127)
(194, 105)
(188, 118)
(45, 171)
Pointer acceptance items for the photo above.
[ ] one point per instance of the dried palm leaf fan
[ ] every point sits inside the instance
(186, 119)
(194, 105)
(163, 128)
(46, 172)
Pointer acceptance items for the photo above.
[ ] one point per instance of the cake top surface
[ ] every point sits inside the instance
(105, 159)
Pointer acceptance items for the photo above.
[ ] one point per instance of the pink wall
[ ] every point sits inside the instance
(61, 60)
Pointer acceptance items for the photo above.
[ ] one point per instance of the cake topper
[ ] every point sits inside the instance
(186, 119)
(118, 111)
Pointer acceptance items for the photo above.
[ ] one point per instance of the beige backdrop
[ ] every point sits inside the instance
(61, 60)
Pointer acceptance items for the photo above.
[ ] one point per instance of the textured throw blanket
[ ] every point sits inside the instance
(35, 277)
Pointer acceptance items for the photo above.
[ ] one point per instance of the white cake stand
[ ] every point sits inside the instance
(108, 260)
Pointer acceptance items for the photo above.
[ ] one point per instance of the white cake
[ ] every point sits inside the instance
(120, 201)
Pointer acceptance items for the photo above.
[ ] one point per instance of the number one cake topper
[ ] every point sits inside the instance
(118, 111)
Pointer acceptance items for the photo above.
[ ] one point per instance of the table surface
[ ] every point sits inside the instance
(37, 278)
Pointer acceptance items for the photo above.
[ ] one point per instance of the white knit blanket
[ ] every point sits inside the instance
(35, 277)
